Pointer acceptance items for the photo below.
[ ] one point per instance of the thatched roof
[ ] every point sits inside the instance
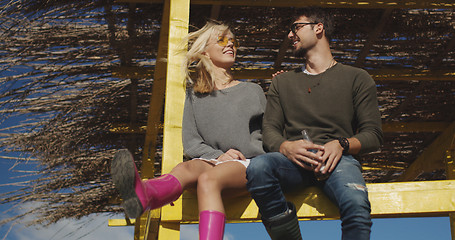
(72, 71)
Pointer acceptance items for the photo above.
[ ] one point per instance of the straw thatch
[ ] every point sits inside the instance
(58, 83)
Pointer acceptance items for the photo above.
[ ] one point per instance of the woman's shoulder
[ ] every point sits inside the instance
(252, 87)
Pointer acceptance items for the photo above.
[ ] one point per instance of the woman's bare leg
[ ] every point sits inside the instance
(188, 172)
(211, 183)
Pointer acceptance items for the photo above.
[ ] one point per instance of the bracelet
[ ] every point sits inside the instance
(344, 142)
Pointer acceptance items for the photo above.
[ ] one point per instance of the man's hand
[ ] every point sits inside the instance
(299, 153)
(331, 156)
(231, 154)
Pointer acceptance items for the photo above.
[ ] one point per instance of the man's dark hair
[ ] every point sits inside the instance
(319, 15)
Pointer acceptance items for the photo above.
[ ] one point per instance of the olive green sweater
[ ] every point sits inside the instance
(342, 102)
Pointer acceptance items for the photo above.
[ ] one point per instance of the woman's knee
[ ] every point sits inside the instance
(183, 167)
(207, 182)
(191, 167)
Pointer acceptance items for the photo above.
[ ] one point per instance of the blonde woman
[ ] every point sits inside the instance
(221, 132)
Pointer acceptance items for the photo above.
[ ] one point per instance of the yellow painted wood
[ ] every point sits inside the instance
(415, 126)
(175, 85)
(120, 222)
(433, 156)
(175, 98)
(156, 100)
(151, 228)
(386, 127)
(373, 36)
(450, 160)
(331, 3)
(140, 227)
(412, 74)
(401, 199)
(378, 74)
(417, 199)
(169, 230)
(147, 226)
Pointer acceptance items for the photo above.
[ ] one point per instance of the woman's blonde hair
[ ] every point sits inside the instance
(197, 43)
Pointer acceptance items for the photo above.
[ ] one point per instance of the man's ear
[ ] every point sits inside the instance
(319, 28)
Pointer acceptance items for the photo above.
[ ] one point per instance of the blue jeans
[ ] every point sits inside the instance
(271, 174)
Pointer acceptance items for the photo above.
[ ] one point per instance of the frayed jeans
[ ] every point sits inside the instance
(271, 174)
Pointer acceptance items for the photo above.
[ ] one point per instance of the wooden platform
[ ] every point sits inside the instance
(402, 199)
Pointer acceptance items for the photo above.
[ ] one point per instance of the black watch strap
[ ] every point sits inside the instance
(344, 144)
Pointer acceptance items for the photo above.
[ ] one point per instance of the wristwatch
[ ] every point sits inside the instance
(344, 144)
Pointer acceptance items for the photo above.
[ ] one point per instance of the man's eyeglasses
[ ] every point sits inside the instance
(224, 40)
(296, 26)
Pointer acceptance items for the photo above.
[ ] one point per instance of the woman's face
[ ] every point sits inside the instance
(222, 49)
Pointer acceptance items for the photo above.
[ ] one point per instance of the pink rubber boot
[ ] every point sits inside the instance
(211, 225)
(139, 195)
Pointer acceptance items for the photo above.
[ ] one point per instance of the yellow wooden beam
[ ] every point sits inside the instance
(147, 225)
(412, 74)
(380, 167)
(373, 36)
(386, 127)
(433, 156)
(450, 161)
(175, 97)
(156, 100)
(169, 230)
(415, 126)
(281, 52)
(121, 222)
(331, 3)
(378, 75)
(435, 198)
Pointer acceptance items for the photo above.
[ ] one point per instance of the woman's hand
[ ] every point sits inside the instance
(231, 154)
(278, 73)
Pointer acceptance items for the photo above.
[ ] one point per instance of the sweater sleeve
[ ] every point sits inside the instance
(368, 117)
(193, 144)
(273, 123)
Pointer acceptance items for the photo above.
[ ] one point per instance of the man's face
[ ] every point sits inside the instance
(302, 36)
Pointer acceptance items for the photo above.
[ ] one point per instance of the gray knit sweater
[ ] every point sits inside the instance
(228, 118)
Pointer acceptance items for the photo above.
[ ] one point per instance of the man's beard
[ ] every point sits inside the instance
(300, 52)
